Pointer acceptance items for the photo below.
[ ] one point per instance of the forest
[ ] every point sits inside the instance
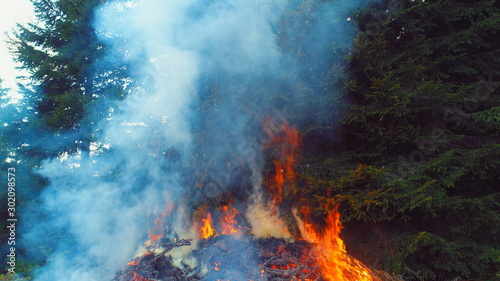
(385, 111)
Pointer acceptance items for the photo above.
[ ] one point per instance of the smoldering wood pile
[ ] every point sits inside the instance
(226, 258)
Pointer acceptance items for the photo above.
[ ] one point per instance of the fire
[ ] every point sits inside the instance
(228, 221)
(158, 229)
(323, 257)
(137, 277)
(331, 254)
(155, 237)
(134, 262)
(155, 233)
(207, 230)
(286, 140)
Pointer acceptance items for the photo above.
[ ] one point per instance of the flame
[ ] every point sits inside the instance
(158, 229)
(207, 230)
(228, 222)
(328, 256)
(137, 277)
(134, 262)
(168, 209)
(286, 140)
(155, 233)
(331, 255)
(155, 237)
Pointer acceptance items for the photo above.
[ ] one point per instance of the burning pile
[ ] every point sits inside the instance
(229, 247)
(319, 256)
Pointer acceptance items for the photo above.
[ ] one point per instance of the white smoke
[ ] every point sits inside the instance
(97, 206)
(264, 218)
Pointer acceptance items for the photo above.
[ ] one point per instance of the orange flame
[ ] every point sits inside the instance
(158, 229)
(228, 221)
(137, 277)
(134, 262)
(286, 140)
(331, 255)
(155, 233)
(207, 230)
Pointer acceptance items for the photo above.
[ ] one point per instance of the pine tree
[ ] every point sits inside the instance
(417, 176)
(65, 60)
(18, 157)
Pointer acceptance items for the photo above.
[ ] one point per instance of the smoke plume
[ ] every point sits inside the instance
(205, 73)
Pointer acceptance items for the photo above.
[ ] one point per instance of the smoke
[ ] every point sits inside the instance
(263, 218)
(205, 74)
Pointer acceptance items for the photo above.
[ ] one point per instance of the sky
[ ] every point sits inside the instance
(12, 12)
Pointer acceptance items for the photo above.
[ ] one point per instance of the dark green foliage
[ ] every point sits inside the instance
(66, 93)
(66, 62)
(417, 172)
(17, 157)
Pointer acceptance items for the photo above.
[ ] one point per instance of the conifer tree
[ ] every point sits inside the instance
(65, 60)
(417, 177)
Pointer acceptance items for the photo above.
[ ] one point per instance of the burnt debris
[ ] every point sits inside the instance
(225, 257)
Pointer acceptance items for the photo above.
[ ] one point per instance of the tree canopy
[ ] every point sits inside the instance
(417, 169)
(69, 70)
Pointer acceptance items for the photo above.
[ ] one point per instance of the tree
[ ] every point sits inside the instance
(417, 172)
(17, 157)
(66, 92)
(67, 70)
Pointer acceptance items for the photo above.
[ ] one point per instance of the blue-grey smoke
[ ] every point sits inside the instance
(206, 73)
